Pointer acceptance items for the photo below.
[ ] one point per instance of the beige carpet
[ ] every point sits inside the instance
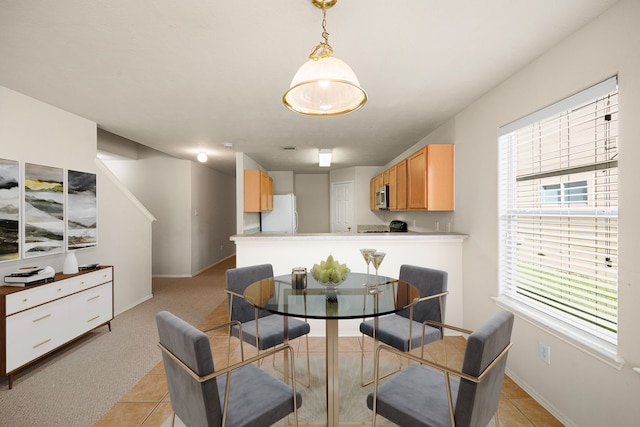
(76, 385)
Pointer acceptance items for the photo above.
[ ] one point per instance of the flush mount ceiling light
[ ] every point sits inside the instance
(324, 157)
(202, 157)
(324, 85)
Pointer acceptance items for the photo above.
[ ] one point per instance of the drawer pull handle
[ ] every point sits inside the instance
(59, 289)
(41, 318)
(82, 283)
(92, 298)
(42, 343)
(92, 319)
(24, 300)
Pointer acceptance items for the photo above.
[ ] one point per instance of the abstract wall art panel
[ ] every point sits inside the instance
(43, 210)
(81, 210)
(9, 210)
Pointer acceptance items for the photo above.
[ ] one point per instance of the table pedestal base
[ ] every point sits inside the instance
(333, 373)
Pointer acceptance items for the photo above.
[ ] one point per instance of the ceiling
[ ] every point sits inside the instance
(191, 75)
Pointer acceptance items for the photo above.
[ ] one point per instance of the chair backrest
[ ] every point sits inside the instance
(478, 402)
(429, 281)
(195, 403)
(237, 281)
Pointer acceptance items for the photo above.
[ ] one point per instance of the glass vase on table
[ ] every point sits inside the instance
(376, 260)
(367, 253)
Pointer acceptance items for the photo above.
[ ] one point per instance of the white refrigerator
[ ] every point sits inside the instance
(283, 218)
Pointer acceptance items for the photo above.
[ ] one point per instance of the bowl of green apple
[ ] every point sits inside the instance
(330, 272)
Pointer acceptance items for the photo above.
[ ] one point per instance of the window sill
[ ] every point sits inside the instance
(594, 347)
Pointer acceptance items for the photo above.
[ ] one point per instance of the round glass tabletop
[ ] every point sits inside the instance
(350, 299)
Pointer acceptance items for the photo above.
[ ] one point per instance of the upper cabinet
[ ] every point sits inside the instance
(422, 181)
(430, 178)
(401, 185)
(375, 183)
(392, 182)
(258, 191)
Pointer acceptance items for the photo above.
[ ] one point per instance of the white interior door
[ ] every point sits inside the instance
(342, 207)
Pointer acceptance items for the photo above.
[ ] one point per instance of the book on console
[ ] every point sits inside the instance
(22, 278)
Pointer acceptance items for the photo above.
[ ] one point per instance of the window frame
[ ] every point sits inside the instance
(530, 310)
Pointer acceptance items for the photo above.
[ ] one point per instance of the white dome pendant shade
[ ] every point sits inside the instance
(324, 87)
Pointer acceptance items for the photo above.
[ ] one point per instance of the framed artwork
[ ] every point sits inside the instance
(43, 210)
(81, 210)
(9, 210)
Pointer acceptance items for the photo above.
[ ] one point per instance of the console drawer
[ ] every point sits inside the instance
(42, 294)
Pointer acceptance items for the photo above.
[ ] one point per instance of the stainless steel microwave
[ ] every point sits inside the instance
(382, 197)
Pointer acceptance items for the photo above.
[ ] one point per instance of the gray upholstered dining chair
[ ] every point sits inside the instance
(433, 395)
(260, 328)
(408, 329)
(241, 394)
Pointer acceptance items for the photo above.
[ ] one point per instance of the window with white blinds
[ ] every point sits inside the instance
(558, 207)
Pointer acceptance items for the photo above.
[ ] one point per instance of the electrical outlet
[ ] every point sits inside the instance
(544, 352)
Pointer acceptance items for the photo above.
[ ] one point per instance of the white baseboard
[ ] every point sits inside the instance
(171, 276)
(130, 306)
(541, 400)
(215, 263)
(182, 276)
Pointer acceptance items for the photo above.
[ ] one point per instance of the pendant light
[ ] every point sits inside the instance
(324, 85)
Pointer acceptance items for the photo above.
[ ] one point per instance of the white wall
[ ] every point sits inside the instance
(424, 221)
(173, 190)
(114, 146)
(283, 182)
(312, 202)
(361, 177)
(213, 196)
(34, 132)
(162, 183)
(245, 221)
(576, 386)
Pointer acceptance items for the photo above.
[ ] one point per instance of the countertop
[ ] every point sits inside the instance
(409, 235)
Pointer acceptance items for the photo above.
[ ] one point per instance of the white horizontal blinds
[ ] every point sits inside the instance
(559, 210)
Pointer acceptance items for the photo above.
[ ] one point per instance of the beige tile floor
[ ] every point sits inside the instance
(147, 404)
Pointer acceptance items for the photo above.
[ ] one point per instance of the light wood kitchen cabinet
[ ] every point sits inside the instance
(392, 182)
(376, 182)
(401, 185)
(266, 192)
(430, 178)
(379, 181)
(258, 191)
(422, 181)
(372, 194)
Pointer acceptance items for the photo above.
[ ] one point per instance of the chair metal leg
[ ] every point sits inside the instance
(308, 383)
(375, 341)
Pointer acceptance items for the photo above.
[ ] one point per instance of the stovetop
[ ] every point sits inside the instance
(375, 228)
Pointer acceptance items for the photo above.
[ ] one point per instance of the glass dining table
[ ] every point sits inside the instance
(351, 299)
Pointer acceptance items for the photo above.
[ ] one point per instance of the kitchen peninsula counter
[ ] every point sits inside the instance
(439, 250)
(409, 235)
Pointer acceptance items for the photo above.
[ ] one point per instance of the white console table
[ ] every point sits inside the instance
(38, 319)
